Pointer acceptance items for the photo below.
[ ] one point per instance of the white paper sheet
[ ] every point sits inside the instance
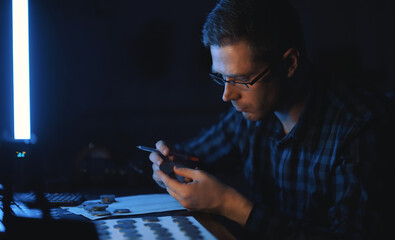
(138, 204)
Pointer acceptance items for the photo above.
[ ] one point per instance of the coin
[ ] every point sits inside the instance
(150, 219)
(122, 210)
(100, 213)
(107, 198)
(129, 221)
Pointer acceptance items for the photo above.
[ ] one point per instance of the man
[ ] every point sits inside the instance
(306, 145)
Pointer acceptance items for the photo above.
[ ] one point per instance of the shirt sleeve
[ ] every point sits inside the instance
(352, 211)
(217, 144)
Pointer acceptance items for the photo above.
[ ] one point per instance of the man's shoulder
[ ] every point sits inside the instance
(343, 108)
(357, 99)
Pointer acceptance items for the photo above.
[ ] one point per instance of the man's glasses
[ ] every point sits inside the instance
(242, 84)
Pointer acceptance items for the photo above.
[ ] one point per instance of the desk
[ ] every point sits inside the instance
(208, 221)
(178, 226)
(169, 220)
(59, 215)
(71, 226)
(216, 228)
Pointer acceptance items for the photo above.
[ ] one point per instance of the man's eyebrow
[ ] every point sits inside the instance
(230, 75)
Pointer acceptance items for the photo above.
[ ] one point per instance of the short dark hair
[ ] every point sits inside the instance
(270, 26)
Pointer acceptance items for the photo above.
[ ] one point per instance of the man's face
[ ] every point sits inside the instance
(235, 62)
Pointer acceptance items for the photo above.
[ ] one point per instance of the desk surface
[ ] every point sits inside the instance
(206, 220)
(216, 228)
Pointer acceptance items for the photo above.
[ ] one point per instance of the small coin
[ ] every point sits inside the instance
(161, 231)
(124, 226)
(96, 207)
(190, 231)
(128, 230)
(100, 222)
(164, 238)
(152, 224)
(122, 210)
(182, 220)
(101, 227)
(107, 198)
(150, 219)
(130, 235)
(128, 221)
(162, 235)
(194, 235)
(188, 227)
(100, 213)
(89, 203)
(103, 232)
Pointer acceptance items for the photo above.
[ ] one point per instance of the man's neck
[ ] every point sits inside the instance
(295, 94)
(290, 116)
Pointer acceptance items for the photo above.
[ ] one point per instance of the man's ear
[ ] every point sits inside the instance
(291, 60)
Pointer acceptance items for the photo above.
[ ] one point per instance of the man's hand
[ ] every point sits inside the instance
(193, 195)
(206, 193)
(157, 160)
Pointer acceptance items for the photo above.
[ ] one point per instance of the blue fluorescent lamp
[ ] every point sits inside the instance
(20, 32)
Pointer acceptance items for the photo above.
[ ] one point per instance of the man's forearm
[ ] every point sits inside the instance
(236, 207)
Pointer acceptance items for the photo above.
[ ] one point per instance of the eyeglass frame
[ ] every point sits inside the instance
(221, 81)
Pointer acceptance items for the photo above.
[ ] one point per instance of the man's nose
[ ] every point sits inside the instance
(230, 93)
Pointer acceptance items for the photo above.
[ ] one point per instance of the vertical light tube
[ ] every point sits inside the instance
(20, 36)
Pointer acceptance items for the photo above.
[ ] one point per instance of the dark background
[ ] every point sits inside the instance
(107, 75)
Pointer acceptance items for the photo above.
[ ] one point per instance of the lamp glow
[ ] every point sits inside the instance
(20, 31)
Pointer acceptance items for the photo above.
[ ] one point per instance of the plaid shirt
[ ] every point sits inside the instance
(310, 182)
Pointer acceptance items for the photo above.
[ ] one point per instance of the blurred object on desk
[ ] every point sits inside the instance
(138, 204)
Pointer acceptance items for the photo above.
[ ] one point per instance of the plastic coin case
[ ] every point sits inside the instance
(165, 228)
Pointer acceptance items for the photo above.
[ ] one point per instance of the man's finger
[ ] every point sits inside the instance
(155, 167)
(158, 180)
(162, 147)
(186, 172)
(171, 183)
(155, 158)
(173, 194)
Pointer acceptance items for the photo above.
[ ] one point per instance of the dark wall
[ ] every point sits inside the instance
(123, 73)
(351, 37)
(119, 73)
